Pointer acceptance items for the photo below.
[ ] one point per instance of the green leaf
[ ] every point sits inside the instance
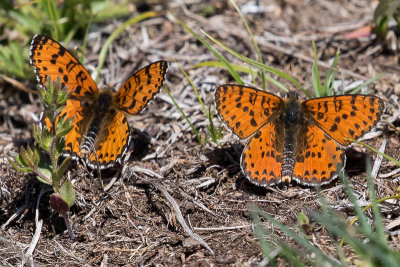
(19, 168)
(44, 167)
(64, 126)
(27, 157)
(62, 169)
(67, 193)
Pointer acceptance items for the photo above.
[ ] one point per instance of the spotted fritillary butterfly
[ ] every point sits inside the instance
(100, 125)
(291, 138)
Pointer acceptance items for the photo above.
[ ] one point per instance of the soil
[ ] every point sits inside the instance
(126, 216)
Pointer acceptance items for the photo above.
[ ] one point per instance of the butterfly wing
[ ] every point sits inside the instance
(51, 59)
(244, 109)
(345, 116)
(262, 157)
(73, 109)
(317, 157)
(112, 141)
(140, 88)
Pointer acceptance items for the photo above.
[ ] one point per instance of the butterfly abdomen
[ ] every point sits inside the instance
(89, 140)
(292, 124)
(101, 107)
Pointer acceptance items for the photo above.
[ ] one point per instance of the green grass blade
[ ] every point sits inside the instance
(84, 43)
(357, 209)
(194, 89)
(218, 64)
(114, 35)
(316, 81)
(330, 76)
(260, 232)
(260, 66)
(246, 25)
(54, 16)
(380, 231)
(220, 57)
(358, 88)
(342, 229)
(377, 152)
(291, 255)
(240, 69)
(301, 240)
(184, 115)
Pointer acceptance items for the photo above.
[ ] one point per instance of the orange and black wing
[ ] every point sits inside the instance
(133, 96)
(112, 141)
(318, 157)
(73, 139)
(345, 116)
(51, 59)
(244, 109)
(262, 157)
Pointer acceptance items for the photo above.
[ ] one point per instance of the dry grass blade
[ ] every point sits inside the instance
(172, 201)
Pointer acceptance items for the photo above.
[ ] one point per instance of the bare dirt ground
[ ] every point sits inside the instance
(129, 220)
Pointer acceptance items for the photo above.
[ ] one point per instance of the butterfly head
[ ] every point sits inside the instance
(292, 95)
(292, 109)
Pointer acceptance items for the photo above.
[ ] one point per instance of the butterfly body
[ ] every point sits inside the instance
(98, 112)
(100, 132)
(291, 120)
(292, 139)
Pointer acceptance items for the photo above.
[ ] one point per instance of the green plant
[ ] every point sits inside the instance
(49, 138)
(326, 88)
(385, 11)
(212, 132)
(61, 20)
(367, 242)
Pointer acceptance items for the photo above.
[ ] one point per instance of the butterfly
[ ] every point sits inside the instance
(100, 132)
(291, 138)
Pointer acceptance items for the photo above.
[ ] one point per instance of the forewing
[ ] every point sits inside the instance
(262, 157)
(317, 157)
(112, 141)
(244, 109)
(51, 59)
(345, 116)
(139, 89)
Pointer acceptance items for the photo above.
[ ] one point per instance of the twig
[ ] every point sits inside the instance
(222, 228)
(34, 242)
(201, 205)
(175, 206)
(113, 180)
(390, 174)
(378, 160)
(36, 236)
(19, 211)
(18, 85)
(179, 216)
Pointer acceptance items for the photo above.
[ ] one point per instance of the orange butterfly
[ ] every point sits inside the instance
(100, 126)
(294, 139)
